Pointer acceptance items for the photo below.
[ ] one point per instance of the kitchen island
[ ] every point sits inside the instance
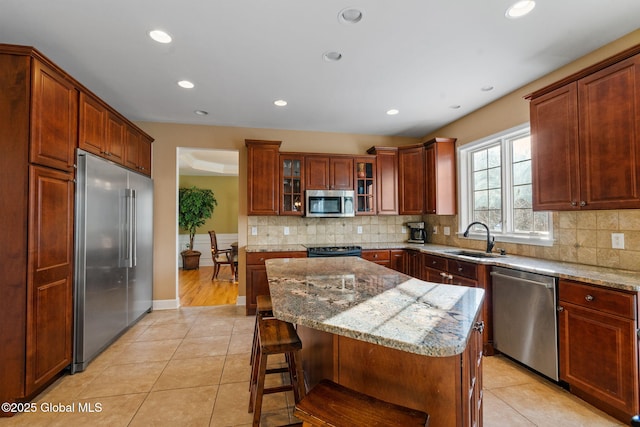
(381, 332)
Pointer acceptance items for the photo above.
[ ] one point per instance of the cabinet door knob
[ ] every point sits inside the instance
(479, 326)
(459, 268)
(583, 203)
(443, 274)
(589, 298)
(574, 203)
(560, 309)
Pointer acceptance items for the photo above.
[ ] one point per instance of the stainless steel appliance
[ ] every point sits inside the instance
(114, 249)
(333, 251)
(524, 318)
(417, 232)
(329, 203)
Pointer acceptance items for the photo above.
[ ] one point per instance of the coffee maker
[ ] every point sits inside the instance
(417, 232)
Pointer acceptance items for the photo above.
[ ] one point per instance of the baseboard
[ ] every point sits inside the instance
(241, 300)
(166, 304)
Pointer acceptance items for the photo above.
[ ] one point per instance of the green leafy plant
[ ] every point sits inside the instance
(195, 206)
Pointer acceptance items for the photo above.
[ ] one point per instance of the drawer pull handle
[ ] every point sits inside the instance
(479, 326)
(459, 268)
(589, 298)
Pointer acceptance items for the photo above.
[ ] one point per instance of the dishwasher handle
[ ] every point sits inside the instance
(519, 279)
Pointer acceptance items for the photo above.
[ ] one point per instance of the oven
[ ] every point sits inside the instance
(333, 251)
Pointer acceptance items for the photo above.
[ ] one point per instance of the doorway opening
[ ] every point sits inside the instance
(216, 170)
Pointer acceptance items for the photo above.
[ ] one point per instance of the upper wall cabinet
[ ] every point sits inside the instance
(365, 180)
(54, 117)
(292, 184)
(411, 180)
(440, 176)
(586, 138)
(329, 172)
(263, 186)
(137, 151)
(386, 179)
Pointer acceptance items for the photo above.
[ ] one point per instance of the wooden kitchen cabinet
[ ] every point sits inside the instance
(411, 180)
(599, 346)
(414, 263)
(328, 172)
(292, 184)
(365, 179)
(398, 260)
(137, 155)
(54, 116)
(257, 281)
(386, 179)
(263, 186)
(379, 256)
(38, 136)
(586, 138)
(440, 176)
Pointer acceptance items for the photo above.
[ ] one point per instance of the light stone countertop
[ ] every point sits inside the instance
(355, 298)
(601, 276)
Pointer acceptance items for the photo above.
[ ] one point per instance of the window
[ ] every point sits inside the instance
(495, 189)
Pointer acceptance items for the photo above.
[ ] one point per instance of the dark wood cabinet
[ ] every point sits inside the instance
(38, 137)
(257, 281)
(115, 140)
(472, 375)
(263, 186)
(599, 346)
(54, 117)
(440, 176)
(137, 151)
(386, 179)
(292, 184)
(586, 139)
(50, 280)
(328, 172)
(398, 260)
(411, 180)
(379, 256)
(414, 263)
(365, 179)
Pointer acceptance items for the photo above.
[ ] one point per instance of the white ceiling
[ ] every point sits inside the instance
(419, 56)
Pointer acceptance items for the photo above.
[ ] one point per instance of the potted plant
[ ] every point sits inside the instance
(195, 206)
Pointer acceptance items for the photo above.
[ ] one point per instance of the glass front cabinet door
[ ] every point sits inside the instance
(291, 178)
(365, 170)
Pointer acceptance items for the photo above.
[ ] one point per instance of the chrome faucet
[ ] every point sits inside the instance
(490, 240)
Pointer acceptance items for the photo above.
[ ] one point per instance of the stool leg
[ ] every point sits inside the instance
(298, 384)
(254, 377)
(259, 390)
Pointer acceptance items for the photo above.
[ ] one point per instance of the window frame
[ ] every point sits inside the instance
(464, 155)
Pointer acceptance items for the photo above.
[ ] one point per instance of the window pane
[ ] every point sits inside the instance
(481, 200)
(480, 180)
(522, 173)
(480, 160)
(541, 222)
(482, 216)
(522, 220)
(493, 156)
(495, 199)
(522, 197)
(495, 220)
(521, 148)
(495, 180)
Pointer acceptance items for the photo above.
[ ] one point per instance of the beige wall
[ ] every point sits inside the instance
(225, 190)
(168, 137)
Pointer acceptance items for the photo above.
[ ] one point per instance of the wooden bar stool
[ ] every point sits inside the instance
(275, 337)
(264, 309)
(332, 405)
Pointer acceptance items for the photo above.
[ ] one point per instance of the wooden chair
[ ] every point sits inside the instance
(221, 256)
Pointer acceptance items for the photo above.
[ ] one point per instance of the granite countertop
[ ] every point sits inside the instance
(601, 276)
(355, 298)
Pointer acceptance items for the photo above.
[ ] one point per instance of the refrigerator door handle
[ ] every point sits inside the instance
(134, 229)
(128, 253)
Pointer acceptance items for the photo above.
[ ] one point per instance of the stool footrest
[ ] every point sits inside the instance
(277, 389)
(331, 404)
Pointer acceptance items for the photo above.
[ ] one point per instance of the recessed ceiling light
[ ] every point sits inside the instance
(392, 112)
(160, 36)
(201, 113)
(454, 107)
(486, 88)
(350, 16)
(280, 102)
(186, 84)
(520, 9)
(332, 56)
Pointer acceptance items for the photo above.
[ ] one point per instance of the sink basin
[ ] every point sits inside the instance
(473, 254)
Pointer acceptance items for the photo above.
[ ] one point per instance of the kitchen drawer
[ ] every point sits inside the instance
(435, 262)
(605, 300)
(376, 256)
(258, 258)
(462, 268)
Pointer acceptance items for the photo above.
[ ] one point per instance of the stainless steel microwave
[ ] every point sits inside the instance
(329, 203)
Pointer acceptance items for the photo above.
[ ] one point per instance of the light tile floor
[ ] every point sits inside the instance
(190, 367)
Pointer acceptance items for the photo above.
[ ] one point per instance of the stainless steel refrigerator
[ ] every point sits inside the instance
(114, 254)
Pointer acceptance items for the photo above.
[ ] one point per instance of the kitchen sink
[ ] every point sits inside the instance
(474, 254)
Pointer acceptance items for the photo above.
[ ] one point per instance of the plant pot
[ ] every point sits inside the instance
(190, 260)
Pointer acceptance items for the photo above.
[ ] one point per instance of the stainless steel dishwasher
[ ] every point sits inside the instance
(525, 320)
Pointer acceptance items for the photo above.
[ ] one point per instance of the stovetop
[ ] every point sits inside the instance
(334, 250)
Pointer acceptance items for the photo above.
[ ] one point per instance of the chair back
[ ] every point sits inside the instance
(214, 242)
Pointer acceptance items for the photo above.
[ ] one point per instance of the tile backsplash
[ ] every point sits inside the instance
(271, 229)
(579, 237)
